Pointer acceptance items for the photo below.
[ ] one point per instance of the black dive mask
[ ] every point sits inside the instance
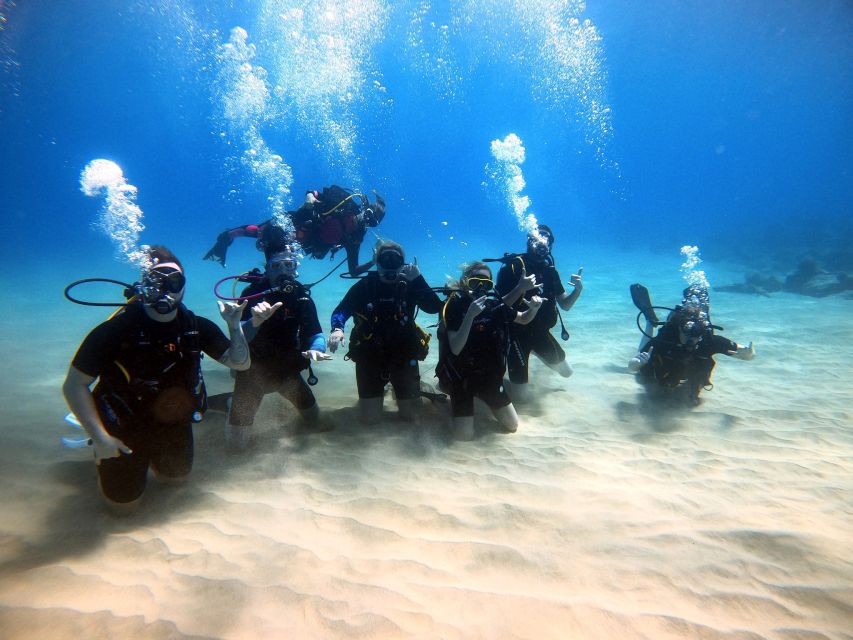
(162, 289)
(388, 264)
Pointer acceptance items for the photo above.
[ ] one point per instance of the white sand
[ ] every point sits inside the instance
(600, 518)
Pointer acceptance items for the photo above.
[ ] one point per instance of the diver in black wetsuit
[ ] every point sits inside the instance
(536, 337)
(680, 355)
(474, 336)
(386, 344)
(150, 389)
(284, 337)
(332, 220)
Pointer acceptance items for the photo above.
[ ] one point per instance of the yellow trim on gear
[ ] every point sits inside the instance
(352, 195)
(123, 370)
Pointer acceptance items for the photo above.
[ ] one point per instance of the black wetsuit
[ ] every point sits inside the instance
(148, 389)
(385, 343)
(673, 364)
(276, 352)
(479, 368)
(534, 337)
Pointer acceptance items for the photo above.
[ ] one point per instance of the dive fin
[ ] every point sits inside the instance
(640, 296)
(76, 443)
(73, 421)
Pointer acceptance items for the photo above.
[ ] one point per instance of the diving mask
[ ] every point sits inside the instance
(388, 264)
(479, 285)
(162, 288)
(281, 267)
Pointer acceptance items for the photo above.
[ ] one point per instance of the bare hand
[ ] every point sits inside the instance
(410, 271)
(526, 282)
(535, 302)
(577, 280)
(263, 311)
(477, 307)
(109, 447)
(315, 356)
(231, 312)
(336, 339)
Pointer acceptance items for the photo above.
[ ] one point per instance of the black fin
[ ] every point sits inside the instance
(640, 296)
(219, 402)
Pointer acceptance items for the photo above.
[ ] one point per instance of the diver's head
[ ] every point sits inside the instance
(281, 266)
(539, 242)
(389, 258)
(374, 213)
(477, 280)
(693, 324)
(163, 282)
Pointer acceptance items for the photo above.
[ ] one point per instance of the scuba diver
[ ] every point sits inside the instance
(474, 337)
(147, 360)
(386, 343)
(680, 356)
(284, 337)
(538, 263)
(332, 220)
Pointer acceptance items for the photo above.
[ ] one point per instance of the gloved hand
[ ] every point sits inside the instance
(263, 311)
(336, 339)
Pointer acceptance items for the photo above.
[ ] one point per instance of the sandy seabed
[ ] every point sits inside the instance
(602, 517)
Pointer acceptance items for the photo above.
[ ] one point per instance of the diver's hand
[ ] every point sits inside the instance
(107, 446)
(476, 307)
(526, 282)
(640, 360)
(263, 311)
(315, 356)
(745, 353)
(577, 280)
(410, 271)
(336, 339)
(535, 302)
(231, 312)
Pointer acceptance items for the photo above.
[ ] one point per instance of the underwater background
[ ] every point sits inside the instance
(632, 129)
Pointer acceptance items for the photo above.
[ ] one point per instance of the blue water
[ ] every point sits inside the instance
(729, 125)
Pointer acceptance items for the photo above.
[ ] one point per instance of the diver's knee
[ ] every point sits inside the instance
(370, 409)
(507, 418)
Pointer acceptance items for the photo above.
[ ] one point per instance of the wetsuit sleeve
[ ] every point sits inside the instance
(424, 297)
(719, 344)
(98, 349)
(309, 327)
(509, 314)
(348, 305)
(211, 339)
(506, 280)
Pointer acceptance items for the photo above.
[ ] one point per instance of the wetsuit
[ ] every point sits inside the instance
(673, 364)
(536, 336)
(276, 351)
(385, 343)
(479, 368)
(149, 386)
